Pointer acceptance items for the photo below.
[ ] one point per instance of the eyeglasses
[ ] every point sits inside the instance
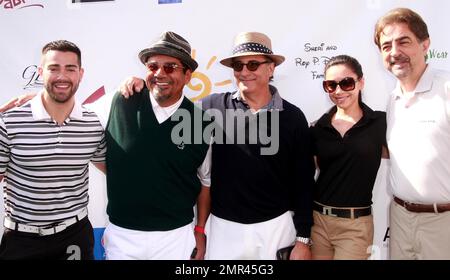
(252, 65)
(168, 67)
(345, 84)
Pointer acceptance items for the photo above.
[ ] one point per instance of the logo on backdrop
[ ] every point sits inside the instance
(78, 4)
(386, 237)
(89, 1)
(314, 59)
(200, 84)
(32, 78)
(434, 54)
(19, 4)
(169, 1)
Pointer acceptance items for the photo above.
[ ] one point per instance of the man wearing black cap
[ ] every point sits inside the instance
(153, 179)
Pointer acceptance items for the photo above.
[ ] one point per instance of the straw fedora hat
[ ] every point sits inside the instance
(171, 44)
(252, 43)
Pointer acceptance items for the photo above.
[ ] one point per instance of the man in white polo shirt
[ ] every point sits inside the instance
(418, 135)
(45, 149)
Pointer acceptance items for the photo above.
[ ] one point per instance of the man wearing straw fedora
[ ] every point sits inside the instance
(253, 192)
(260, 201)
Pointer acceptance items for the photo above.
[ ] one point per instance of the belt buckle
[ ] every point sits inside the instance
(407, 205)
(326, 210)
(52, 230)
(60, 227)
(41, 231)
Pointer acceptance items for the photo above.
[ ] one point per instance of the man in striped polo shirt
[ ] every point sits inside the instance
(45, 149)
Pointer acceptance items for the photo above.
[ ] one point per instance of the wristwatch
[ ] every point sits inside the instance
(304, 240)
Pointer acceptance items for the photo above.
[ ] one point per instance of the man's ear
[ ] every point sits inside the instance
(187, 76)
(81, 73)
(426, 45)
(40, 70)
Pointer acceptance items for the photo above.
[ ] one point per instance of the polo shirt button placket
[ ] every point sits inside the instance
(59, 138)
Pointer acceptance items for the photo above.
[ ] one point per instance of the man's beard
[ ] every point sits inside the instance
(159, 97)
(158, 92)
(61, 98)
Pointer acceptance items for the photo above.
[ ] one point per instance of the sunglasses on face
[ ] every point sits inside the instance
(345, 84)
(169, 68)
(252, 65)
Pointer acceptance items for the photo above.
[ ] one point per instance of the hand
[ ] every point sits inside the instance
(131, 85)
(200, 245)
(17, 101)
(301, 251)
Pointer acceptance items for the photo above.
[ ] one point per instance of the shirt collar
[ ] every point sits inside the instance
(156, 106)
(424, 85)
(276, 103)
(368, 114)
(39, 112)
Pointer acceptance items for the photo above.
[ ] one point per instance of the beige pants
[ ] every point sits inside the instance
(341, 238)
(418, 236)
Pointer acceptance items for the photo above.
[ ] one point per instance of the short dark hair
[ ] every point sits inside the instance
(402, 15)
(351, 63)
(63, 46)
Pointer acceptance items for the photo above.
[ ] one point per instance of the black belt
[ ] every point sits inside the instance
(349, 213)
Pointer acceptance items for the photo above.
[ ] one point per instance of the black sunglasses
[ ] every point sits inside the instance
(252, 65)
(345, 84)
(169, 68)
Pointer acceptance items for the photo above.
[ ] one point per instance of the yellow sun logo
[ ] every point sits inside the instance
(203, 83)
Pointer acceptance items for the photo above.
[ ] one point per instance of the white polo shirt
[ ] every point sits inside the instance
(418, 136)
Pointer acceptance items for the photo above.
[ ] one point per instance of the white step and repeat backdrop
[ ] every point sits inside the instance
(111, 33)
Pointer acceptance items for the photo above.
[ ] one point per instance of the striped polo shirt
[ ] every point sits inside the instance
(46, 165)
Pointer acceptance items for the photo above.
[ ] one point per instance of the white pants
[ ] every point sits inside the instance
(260, 241)
(126, 244)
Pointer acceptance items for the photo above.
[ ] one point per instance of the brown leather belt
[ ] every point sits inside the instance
(421, 208)
(349, 213)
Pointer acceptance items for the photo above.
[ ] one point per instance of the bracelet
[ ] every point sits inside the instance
(199, 229)
(305, 240)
